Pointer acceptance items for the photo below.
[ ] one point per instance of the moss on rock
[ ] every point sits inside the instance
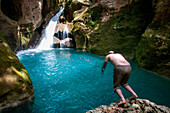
(26, 32)
(80, 40)
(15, 83)
(122, 32)
(153, 49)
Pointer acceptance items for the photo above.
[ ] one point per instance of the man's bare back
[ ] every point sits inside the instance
(117, 59)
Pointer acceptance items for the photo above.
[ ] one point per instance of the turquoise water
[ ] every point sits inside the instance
(70, 81)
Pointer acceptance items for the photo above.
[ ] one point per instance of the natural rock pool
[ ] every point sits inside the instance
(70, 81)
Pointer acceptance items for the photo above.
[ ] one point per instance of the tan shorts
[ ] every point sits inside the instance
(121, 75)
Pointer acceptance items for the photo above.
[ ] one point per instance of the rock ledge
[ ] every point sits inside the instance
(132, 106)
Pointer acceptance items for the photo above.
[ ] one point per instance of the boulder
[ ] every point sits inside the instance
(15, 83)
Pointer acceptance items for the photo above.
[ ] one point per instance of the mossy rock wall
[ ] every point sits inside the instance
(123, 30)
(153, 49)
(15, 83)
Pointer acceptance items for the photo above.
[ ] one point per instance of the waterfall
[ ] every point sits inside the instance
(47, 37)
(65, 35)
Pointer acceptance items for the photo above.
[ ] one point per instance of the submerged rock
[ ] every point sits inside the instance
(132, 106)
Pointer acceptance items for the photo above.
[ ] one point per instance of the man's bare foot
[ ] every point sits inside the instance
(121, 103)
(133, 97)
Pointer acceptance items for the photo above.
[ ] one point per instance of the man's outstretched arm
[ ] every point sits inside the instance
(105, 62)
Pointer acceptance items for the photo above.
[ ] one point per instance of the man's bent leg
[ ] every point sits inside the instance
(127, 87)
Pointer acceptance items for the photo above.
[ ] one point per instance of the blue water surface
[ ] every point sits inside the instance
(71, 81)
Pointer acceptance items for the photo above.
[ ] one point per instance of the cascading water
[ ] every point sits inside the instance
(65, 35)
(47, 37)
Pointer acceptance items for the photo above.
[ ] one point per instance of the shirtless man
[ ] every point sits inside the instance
(121, 74)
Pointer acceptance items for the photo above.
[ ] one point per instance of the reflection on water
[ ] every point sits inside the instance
(70, 81)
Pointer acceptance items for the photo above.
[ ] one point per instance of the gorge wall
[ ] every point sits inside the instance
(139, 29)
(153, 49)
